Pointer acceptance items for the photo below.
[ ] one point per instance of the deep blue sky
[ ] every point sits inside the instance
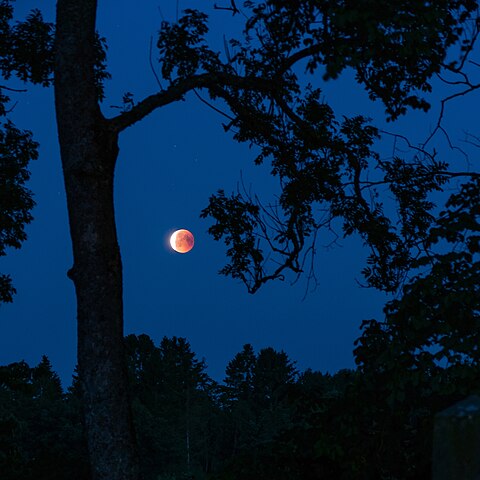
(169, 164)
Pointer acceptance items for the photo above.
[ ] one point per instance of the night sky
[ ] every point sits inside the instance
(169, 165)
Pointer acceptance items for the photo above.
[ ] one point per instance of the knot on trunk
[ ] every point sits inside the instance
(71, 274)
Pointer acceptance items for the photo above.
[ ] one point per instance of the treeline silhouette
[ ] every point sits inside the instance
(266, 421)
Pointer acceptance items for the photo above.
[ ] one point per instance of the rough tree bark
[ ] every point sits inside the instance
(89, 150)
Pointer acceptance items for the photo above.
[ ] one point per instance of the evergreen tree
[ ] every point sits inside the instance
(40, 437)
(173, 394)
(239, 374)
(237, 399)
(257, 408)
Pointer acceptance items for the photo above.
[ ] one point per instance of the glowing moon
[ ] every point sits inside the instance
(182, 241)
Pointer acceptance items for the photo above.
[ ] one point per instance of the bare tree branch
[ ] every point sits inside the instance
(3, 87)
(12, 108)
(438, 126)
(233, 7)
(213, 107)
(151, 64)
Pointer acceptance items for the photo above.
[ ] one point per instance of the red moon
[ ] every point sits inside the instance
(182, 241)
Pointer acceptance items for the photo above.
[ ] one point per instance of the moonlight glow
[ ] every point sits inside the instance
(182, 241)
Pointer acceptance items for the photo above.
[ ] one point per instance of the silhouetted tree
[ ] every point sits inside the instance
(256, 407)
(173, 405)
(40, 433)
(239, 375)
(321, 162)
(18, 47)
(425, 355)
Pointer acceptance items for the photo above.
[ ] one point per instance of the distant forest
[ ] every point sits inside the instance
(266, 421)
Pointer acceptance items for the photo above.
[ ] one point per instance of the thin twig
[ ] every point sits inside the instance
(470, 89)
(161, 13)
(12, 108)
(4, 87)
(233, 7)
(213, 107)
(151, 65)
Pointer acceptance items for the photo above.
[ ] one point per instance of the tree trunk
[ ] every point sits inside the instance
(89, 151)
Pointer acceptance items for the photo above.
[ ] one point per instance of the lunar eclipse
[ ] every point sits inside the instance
(182, 241)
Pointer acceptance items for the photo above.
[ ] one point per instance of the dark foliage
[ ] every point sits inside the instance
(324, 165)
(41, 434)
(266, 421)
(425, 355)
(26, 52)
(17, 149)
(22, 49)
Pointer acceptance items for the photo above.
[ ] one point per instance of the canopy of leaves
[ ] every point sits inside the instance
(436, 321)
(425, 355)
(322, 163)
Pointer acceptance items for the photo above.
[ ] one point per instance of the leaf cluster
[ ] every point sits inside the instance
(17, 149)
(236, 223)
(183, 48)
(27, 47)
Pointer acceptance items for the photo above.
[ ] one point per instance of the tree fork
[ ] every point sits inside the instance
(89, 150)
